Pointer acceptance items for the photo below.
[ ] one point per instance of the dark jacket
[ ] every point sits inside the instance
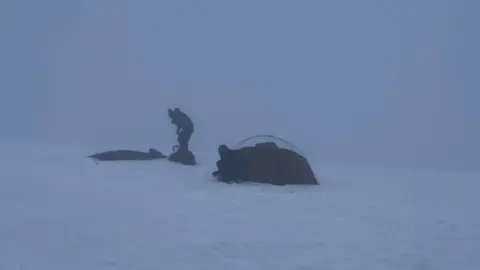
(181, 120)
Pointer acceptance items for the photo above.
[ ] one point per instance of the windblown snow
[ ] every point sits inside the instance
(61, 211)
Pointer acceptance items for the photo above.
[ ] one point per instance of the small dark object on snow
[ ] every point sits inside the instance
(182, 156)
(117, 155)
(263, 163)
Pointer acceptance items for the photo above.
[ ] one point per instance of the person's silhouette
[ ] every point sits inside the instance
(184, 125)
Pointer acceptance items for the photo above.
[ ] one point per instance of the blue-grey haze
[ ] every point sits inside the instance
(378, 82)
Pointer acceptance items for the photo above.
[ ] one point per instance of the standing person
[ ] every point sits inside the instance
(184, 127)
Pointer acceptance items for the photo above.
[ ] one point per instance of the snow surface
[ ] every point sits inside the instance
(61, 211)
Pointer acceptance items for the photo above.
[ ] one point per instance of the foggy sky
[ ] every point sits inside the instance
(378, 82)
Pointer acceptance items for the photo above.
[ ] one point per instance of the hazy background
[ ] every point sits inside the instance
(378, 82)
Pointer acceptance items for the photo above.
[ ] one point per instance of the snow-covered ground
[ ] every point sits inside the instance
(60, 211)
